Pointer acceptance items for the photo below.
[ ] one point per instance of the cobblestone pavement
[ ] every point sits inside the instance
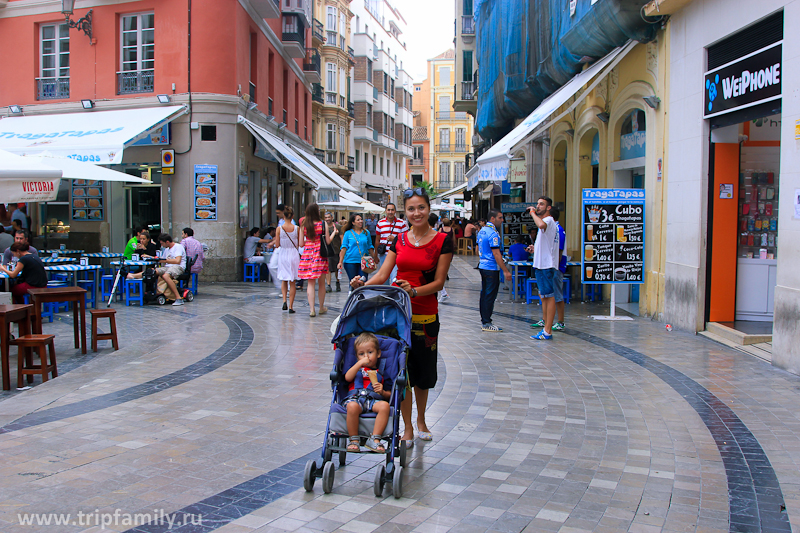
(212, 409)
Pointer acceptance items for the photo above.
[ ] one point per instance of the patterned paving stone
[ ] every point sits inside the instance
(211, 411)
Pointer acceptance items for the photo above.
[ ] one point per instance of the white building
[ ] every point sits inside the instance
(381, 94)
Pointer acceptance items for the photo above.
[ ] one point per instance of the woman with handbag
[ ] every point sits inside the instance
(423, 258)
(356, 245)
(287, 246)
(313, 266)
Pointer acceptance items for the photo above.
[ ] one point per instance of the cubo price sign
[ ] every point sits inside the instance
(613, 236)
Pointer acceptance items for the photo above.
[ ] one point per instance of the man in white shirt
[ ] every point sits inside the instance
(174, 257)
(545, 260)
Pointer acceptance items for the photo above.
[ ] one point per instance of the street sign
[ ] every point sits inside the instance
(613, 230)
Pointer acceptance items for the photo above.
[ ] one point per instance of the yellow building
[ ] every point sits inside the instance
(332, 111)
(419, 167)
(449, 131)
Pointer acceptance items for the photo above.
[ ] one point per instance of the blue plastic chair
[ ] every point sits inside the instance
(91, 298)
(529, 293)
(251, 272)
(193, 283)
(106, 284)
(567, 289)
(134, 296)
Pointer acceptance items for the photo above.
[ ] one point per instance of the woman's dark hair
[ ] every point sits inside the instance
(288, 212)
(433, 218)
(416, 191)
(312, 217)
(350, 221)
(166, 237)
(252, 232)
(19, 247)
(189, 232)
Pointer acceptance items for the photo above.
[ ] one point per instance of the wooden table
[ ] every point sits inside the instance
(22, 314)
(77, 295)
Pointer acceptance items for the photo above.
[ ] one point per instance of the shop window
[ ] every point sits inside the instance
(633, 136)
(208, 132)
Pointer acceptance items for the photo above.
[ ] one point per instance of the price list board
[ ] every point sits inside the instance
(205, 192)
(516, 221)
(613, 236)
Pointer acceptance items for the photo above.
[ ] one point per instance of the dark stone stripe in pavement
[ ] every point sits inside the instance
(754, 493)
(240, 337)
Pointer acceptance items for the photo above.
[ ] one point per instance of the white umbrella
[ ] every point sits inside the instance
(24, 180)
(364, 205)
(447, 207)
(75, 170)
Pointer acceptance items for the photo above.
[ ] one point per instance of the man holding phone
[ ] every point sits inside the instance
(545, 261)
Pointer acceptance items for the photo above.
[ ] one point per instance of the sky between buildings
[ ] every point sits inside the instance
(430, 32)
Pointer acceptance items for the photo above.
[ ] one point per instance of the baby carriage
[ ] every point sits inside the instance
(386, 312)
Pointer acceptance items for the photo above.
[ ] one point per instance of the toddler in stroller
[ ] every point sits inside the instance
(371, 343)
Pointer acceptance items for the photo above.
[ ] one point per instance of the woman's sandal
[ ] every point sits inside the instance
(374, 444)
(354, 445)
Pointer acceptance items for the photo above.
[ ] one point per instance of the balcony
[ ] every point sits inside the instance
(268, 9)
(319, 154)
(417, 162)
(448, 184)
(451, 115)
(452, 148)
(330, 157)
(294, 43)
(52, 88)
(312, 66)
(136, 81)
(317, 32)
(467, 26)
(352, 55)
(351, 163)
(468, 90)
(317, 94)
(351, 109)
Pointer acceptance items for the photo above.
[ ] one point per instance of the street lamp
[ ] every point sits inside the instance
(84, 23)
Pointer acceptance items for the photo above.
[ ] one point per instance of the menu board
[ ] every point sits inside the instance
(205, 192)
(87, 200)
(517, 220)
(612, 240)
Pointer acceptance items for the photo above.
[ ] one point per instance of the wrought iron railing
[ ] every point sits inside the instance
(320, 154)
(351, 109)
(136, 81)
(312, 61)
(451, 115)
(417, 162)
(317, 94)
(467, 25)
(52, 88)
(317, 31)
(294, 37)
(452, 148)
(351, 163)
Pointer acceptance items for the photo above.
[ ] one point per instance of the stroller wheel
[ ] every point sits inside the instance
(380, 479)
(327, 477)
(342, 455)
(161, 299)
(403, 453)
(188, 296)
(397, 483)
(310, 475)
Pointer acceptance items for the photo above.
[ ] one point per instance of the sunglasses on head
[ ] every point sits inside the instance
(419, 191)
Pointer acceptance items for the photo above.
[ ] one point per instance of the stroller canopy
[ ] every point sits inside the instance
(376, 308)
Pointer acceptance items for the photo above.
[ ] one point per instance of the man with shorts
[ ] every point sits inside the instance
(558, 287)
(545, 261)
(174, 257)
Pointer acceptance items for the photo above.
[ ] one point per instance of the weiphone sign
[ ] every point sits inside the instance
(612, 244)
(751, 80)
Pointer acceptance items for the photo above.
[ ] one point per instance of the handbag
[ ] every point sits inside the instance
(325, 249)
(382, 245)
(367, 262)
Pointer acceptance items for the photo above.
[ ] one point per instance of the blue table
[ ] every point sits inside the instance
(57, 260)
(79, 268)
(103, 255)
(66, 252)
(142, 262)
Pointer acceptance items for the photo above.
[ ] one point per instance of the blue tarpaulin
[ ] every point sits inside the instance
(527, 49)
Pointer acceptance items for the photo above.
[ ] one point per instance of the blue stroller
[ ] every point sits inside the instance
(386, 312)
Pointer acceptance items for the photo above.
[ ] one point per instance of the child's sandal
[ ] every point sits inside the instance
(354, 445)
(374, 444)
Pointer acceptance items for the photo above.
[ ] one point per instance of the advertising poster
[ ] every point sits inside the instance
(205, 192)
(87, 200)
(612, 240)
(516, 221)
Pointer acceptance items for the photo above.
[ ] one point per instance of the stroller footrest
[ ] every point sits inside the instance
(365, 424)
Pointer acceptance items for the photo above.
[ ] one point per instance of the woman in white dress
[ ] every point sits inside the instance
(288, 257)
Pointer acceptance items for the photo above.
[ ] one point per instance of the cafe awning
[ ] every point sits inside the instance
(97, 137)
(493, 165)
(328, 191)
(330, 174)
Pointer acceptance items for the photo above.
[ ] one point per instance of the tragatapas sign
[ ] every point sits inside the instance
(754, 79)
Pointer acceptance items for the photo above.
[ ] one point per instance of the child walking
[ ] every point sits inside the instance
(366, 393)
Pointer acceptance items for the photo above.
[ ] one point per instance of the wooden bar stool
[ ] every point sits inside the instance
(101, 313)
(25, 364)
(465, 246)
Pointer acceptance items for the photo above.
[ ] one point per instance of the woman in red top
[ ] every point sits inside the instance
(423, 258)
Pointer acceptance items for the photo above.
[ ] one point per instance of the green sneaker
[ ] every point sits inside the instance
(558, 326)
(539, 324)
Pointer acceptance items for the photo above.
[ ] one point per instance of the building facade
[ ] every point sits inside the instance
(419, 168)
(332, 109)
(381, 92)
(246, 68)
(466, 68)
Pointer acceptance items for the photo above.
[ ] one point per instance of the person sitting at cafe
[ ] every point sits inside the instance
(146, 245)
(518, 252)
(174, 257)
(194, 248)
(20, 236)
(133, 243)
(28, 272)
(6, 238)
(252, 254)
